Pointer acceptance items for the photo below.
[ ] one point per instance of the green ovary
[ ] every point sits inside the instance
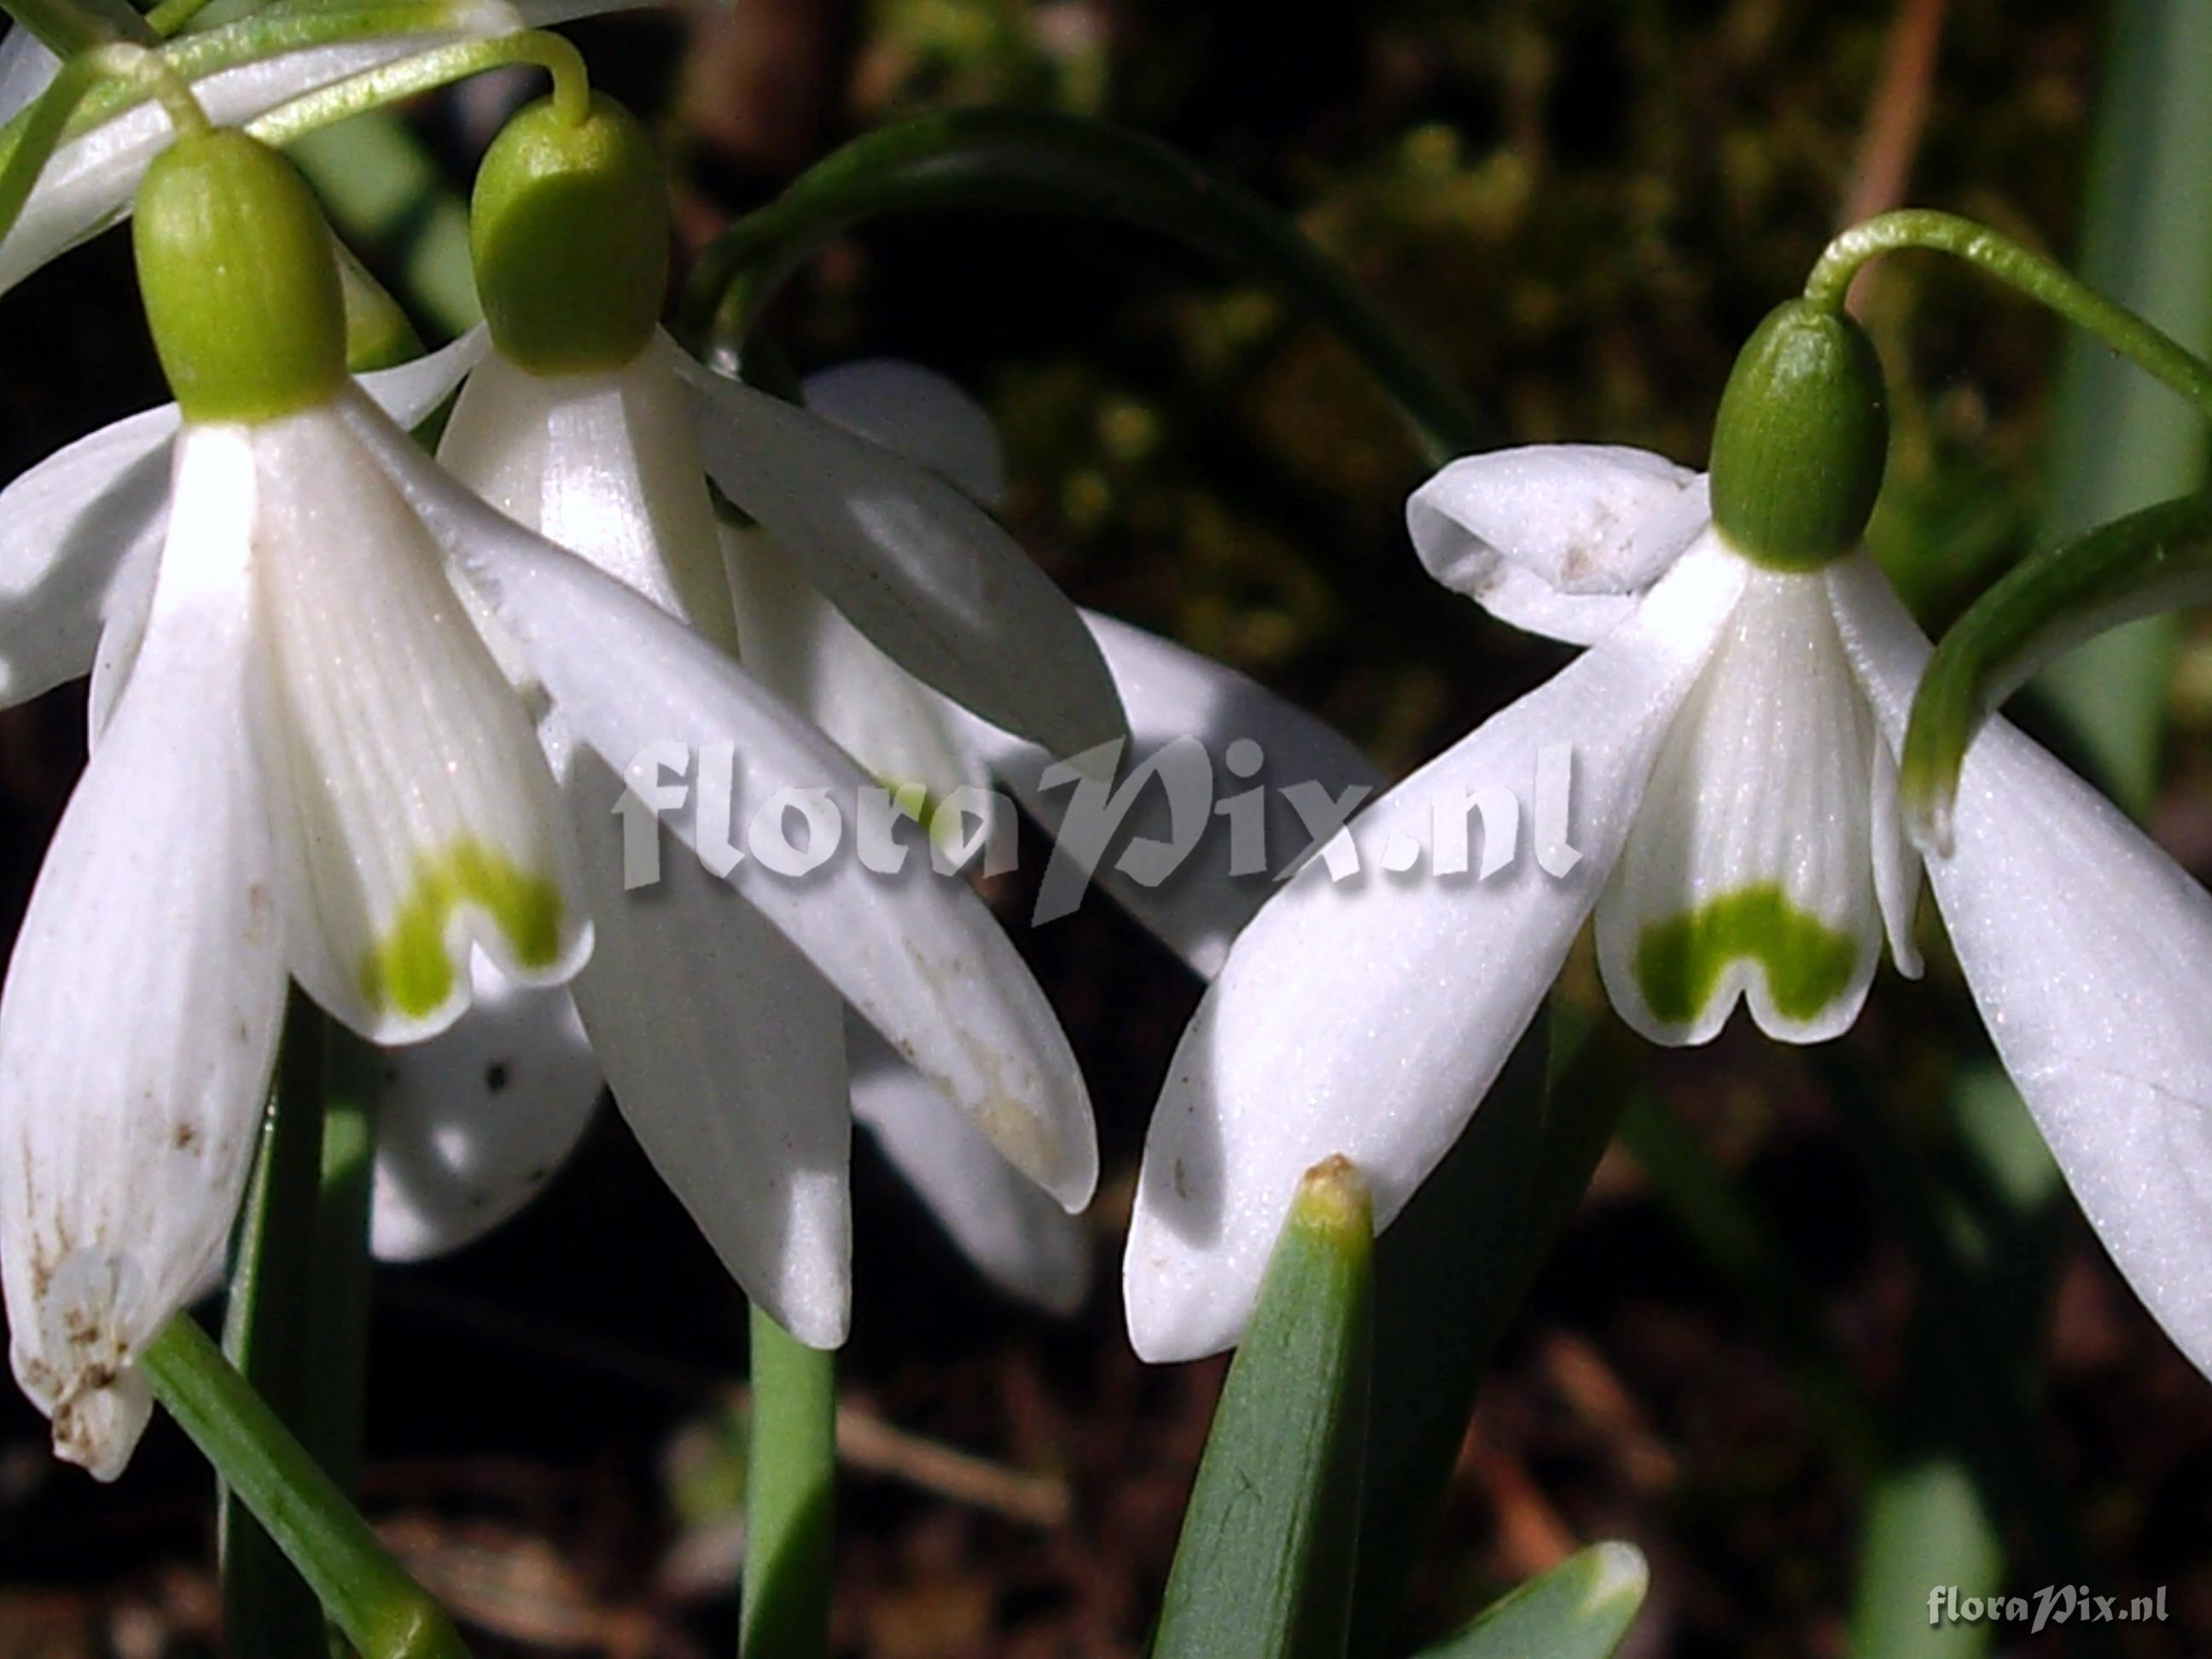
(1808, 964)
(410, 968)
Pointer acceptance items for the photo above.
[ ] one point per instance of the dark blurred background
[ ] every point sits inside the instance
(1582, 208)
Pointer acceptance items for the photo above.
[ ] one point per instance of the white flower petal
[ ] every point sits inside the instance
(411, 392)
(725, 1052)
(924, 572)
(472, 1123)
(800, 647)
(123, 613)
(140, 1015)
(422, 818)
(26, 69)
(1019, 1239)
(920, 955)
(1174, 694)
(1750, 869)
(1369, 1018)
(1551, 536)
(2089, 953)
(917, 413)
(1897, 868)
(66, 525)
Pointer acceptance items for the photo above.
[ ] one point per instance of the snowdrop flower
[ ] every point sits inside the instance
(90, 180)
(312, 765)
(1733, 727)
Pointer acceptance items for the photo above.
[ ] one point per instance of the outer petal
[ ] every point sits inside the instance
(1018, 1237)
(66, 526)
(473, 1122)
(726, 1053)
(2089, 953)
(920, 957)
(1368, 1019)
(800, 647)
(923, 571)
(140, 1015)
(26, 69)
(1557, 538)
(918, 413)
(1750, 870)
(1173, 694)
(423, 817)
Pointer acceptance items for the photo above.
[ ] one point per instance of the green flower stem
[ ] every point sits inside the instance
(1034, 162)
(2156, 560)
(69, 26)
(2042, 280)
(372, 89)
(790, 1474)
(171, 16)
(268, 1612)
(385, 1613)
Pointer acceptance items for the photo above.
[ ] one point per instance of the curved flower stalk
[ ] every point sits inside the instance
(240, 73)
(313, 763)
(1733, 730)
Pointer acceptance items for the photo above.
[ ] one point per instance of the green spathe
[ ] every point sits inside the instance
(410, 968)
(568, 230)
(1801, 440)
(1808, 963)
(239, 279)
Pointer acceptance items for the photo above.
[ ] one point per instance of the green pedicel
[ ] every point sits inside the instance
(1679, 962)
(410, 970)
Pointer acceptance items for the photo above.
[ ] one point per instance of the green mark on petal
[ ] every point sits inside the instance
(410, 970)
(1808, 964)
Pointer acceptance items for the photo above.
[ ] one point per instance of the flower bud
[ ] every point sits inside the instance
(569, 231)
(1801, 440)
(239, 279)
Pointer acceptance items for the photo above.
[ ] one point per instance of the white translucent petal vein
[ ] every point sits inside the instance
(140, 1015)
(922, 570)
(2089, 953)
(422, 818)
(920, 958)
(725, 1052)
(1368, 1018)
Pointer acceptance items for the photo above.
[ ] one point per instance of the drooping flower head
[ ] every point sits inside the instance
(1733, 731)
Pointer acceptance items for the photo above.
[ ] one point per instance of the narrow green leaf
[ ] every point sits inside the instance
(790, 1481)
(1451, 1273)
(383, 189)
(1581, 1609)
(367, 1595)
(1027, 162)
(1264, 1567)
(1927, 1529)
(2118, 442)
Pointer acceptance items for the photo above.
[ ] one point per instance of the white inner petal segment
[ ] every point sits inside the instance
(473, 1122)
(1367, 1019)
(140, 1015)
(1559, 539)
(920, 956)
(423, 818)
(606, 464)
(1750, 870)
(2089, 954)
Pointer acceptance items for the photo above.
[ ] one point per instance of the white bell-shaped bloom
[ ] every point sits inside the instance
(1733, 733)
